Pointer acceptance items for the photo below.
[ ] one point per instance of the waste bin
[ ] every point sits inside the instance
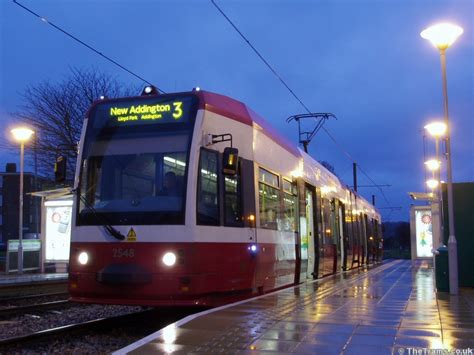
(442, 269)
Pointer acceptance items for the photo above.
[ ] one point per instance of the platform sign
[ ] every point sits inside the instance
(31, 254)
(28, 245)
(424, 233)
(58, 230)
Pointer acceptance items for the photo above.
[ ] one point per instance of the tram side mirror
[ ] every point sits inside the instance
(230, 160)
(60, 168)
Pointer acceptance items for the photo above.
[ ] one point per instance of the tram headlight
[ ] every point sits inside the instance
(169, 259)
(83, 258)
(253, 249)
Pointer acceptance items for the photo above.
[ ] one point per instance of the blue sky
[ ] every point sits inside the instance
(362, 60)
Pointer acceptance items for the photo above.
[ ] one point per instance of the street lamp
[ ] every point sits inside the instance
(22, 135)
(432, 183)
(442, 36)
(437, 130)
(433, 164)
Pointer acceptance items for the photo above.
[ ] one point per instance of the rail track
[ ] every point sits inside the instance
(33, 308)
(72, 329)
(20, 290)
(12, 299)
(123, 329)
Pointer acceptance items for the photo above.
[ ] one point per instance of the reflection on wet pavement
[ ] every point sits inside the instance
(387, 309)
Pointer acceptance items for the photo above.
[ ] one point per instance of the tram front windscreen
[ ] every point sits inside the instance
(134, 161)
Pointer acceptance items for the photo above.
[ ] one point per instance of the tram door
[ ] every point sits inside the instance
(309, 195)
(367, 234)
(349, 240)
(341, 257)
(308, 260)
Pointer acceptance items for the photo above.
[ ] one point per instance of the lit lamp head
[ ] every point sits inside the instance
(442, 35)
(150, 90)
(433, 164)
(22, 134)
(436, 129)
(432, 184)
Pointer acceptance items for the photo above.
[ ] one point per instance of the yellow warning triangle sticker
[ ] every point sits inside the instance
(131, 235)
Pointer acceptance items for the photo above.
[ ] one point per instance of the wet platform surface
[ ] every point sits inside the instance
(389, 309)
(16, 279)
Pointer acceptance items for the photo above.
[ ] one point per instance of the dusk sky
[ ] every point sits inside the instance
(364, 61)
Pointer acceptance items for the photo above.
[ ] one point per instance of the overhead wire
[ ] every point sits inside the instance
(45, 20)
(283, 82)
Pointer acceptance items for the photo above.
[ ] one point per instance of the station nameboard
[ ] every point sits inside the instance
(27, 244)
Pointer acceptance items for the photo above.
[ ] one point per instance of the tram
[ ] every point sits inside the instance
(194, 199)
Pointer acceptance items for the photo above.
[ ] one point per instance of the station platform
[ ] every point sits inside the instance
(388, 309)
(14, 279)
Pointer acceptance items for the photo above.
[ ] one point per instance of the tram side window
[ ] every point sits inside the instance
(269, 199)
(290, 203)
(233, 200)
(207, 194)
(356, 224)
(350, 232)
(328, 222)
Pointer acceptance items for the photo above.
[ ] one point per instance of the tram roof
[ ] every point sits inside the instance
(236, 110)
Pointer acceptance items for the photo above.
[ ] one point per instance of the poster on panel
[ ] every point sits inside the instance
(424, 234)
(58, 230)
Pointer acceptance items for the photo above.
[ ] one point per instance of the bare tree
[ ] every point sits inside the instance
(57, 110)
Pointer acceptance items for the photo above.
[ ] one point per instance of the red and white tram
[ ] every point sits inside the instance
(165, 215)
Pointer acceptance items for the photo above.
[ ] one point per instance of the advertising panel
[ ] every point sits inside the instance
(58, 230)
(424, 234)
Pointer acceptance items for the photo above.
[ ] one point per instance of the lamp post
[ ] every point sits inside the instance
(442, 36)
(437, 130)
(22, 135)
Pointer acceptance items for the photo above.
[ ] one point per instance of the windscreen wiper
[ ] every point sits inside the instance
(101, 219)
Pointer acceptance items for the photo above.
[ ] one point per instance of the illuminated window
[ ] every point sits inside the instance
(269, 199)
(233, 200)
(268, 178)
(328, 222)
(208, 196)
(290, 203)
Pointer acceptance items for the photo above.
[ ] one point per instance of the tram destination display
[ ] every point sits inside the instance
(147, 111)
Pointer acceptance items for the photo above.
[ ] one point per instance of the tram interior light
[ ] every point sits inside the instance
(83, 258)
(169, 259)
(297, 173)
